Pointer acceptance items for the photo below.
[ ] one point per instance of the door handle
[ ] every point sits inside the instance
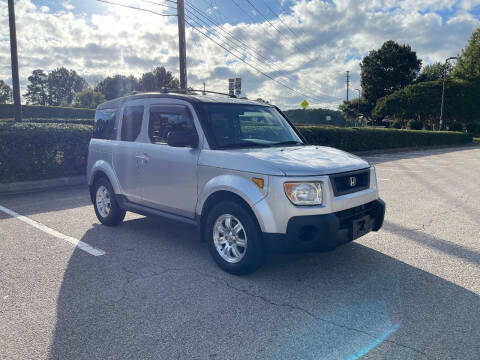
(143, 157)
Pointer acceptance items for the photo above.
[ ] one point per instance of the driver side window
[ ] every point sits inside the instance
(163, 120)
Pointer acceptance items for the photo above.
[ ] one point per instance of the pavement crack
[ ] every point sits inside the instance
(307, 312)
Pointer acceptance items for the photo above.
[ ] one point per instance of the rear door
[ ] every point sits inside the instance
(128, 157)
(169, 178)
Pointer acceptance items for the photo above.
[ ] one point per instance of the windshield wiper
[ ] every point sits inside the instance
(242, 145)
(290, 142)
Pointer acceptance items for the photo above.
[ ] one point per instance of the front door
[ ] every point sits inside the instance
(169, 177)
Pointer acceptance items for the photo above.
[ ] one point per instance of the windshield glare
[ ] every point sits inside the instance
(234, 125)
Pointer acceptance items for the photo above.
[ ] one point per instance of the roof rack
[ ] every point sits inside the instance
(186, 91)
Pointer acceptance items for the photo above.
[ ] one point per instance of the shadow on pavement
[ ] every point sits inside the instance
(157, 294)
(46, 201)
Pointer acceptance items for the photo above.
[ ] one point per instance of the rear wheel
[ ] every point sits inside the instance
(234, 238)
(105, 204)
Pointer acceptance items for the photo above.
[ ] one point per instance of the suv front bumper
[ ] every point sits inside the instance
(327, 231)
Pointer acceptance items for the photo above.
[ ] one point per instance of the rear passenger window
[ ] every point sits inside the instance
(105, 124)
(164, 120)
(131, 122)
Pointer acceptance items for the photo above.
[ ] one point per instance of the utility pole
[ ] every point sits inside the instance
(13, 51)
(348, 82)
(181, 44)
(441, 126)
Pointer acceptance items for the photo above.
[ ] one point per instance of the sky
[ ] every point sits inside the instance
(285, 51)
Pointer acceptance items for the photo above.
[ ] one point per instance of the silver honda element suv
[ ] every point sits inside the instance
(237, 169)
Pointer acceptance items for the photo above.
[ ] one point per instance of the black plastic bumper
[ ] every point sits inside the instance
(325, 232)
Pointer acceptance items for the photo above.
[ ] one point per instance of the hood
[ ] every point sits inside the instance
(289, 161)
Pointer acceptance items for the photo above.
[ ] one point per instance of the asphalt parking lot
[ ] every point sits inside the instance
(410, 291)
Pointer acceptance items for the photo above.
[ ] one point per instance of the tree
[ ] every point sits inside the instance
(157, 79)
(353, 109)
(63, 85)
(468, 64)
(117, 86)
(6, 94)
(433, 72)
(422, 102)
(37, 90)
(387, 70)
(89, 99)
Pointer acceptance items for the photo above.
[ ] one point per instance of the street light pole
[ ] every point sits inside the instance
(358, 104)
(14, 57)
(441, 125)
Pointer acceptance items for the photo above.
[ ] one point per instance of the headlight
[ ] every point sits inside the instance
(304, 193)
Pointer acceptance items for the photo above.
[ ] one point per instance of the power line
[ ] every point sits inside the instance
(135, 8)
(202, 23)
(243, 45)
(279, 18)
(248, 64)
(272, 25)
(158, 4)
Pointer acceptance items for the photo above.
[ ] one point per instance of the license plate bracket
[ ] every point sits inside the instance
(361, 226)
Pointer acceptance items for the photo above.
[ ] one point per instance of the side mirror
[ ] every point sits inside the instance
(182, 139)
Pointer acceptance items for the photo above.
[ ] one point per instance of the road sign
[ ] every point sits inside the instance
(304, 104)
(235, 86)
(238, 86)
(231, 86)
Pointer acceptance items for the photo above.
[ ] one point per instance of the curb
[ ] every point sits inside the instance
(418, 148)
(39, 185)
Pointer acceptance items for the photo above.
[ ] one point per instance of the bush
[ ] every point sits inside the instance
(34, 151)
(397, 124)
(52, 112)
(456, 126)
(415, 125)
(361, 139)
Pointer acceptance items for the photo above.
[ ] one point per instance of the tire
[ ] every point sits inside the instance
(236, 249)
(105, 203)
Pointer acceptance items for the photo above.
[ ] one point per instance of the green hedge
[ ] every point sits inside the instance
(32, 151)
(47, 112)
(54, 121)
(361, 139)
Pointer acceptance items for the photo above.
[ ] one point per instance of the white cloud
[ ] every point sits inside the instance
(68, 5)
(332, 37)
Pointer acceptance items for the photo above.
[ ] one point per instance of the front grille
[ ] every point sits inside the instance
(346, 183)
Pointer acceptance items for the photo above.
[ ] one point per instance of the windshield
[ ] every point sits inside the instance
(236, 125)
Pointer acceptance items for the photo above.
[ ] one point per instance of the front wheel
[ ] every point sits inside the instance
(234, 238)
(105, 204)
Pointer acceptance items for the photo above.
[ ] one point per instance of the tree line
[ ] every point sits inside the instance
(64, 87)
(395, 86)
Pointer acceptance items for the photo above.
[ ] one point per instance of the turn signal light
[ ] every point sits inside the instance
(258, 181)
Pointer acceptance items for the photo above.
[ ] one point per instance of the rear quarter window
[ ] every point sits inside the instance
(105, 124)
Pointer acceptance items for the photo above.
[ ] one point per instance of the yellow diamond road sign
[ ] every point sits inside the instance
(304, 104)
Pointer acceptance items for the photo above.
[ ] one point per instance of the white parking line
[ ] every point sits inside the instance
(79, 244)
(379, 166)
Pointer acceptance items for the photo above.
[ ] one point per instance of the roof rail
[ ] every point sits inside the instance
(186, 91)
(183, 91)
